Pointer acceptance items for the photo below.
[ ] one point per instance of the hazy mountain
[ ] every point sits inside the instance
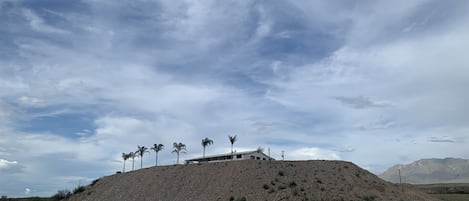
(426, 171)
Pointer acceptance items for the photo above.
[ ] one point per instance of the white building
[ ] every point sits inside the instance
(254, 155)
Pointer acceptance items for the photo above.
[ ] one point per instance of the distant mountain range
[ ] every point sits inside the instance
(428, 171)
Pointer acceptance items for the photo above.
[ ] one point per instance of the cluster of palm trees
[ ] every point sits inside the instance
(178, 148)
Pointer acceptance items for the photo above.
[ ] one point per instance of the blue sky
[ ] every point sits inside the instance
(372, 82)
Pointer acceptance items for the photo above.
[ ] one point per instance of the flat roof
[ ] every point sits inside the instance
(227, 154)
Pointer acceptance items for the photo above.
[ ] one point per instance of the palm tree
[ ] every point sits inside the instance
(178, 148)
(157, 148)
(132, 155)
(206, 142)
(125, 157)
(232, 140)
(140, 151)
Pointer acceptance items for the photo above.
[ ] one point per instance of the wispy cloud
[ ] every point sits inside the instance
(361, 102)
(86, 77)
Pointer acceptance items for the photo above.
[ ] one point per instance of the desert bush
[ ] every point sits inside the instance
(242, 199)
(94, 182)
(281, 173)
(292, 184)
(79, 189)
(265, 186)
(62, 194)
(369, 198)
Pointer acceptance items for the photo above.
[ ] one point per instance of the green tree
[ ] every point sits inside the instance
(157, 148)
(206, 142)
(178, 148)
(132, 155)
(232, 140)
(141, 151)
(125, 157)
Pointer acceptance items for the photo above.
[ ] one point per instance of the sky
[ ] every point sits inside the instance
(377, 83)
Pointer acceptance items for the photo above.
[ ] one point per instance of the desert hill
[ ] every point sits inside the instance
(427, 171)
(251, 180)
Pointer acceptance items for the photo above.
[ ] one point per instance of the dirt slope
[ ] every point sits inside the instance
(252, 179)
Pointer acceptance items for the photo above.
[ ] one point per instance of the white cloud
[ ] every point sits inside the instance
(27, 101)
(312, 153)
(4, 164)
(27, 191)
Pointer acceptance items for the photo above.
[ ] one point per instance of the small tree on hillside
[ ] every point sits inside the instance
(178, 148)
(157, 148)
(205, 143)
(141, 151)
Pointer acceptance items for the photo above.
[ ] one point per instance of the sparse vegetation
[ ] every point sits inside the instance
(79, 189)
(369, 198)
(281, 173)
(61, 195)
(266, 186)
(292, 184)
(94, 182)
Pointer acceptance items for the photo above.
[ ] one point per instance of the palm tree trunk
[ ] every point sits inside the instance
(204, 151)
(156, 159)
(177, 161)
(141, 162)
(133, 162)
(123, 169)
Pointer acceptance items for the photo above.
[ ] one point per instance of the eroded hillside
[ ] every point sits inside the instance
(251, 180)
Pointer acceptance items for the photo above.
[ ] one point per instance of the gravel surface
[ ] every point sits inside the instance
(250, 179)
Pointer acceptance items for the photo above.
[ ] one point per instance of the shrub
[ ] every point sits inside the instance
(292, 184)
(62, 194)
(242, 199)
(281, 173)
(79, 189)
(94, 182)
(369, 198)
(265, 186)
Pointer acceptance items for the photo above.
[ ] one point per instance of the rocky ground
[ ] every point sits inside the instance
(250, 180)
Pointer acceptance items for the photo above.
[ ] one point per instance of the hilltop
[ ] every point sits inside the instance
(427, 171)
(249, 180)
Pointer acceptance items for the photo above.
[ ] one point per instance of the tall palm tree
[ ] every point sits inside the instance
(141, 151)
(125, 157)
(178, 148)
(132, 155)
(206, 142)
(232, 140)
(157, 148)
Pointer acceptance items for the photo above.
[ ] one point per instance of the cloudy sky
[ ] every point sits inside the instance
(372, 82)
